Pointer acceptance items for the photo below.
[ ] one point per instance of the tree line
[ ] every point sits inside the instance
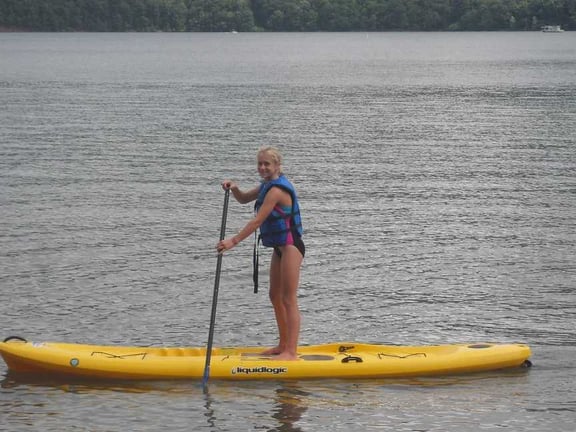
(284, 15)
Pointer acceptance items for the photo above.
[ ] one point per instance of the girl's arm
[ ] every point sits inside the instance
(241, 196)
(272, 198)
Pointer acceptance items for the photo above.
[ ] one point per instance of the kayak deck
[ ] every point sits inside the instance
(334, 360)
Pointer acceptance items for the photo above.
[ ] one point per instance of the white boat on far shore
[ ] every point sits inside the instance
(552, 29)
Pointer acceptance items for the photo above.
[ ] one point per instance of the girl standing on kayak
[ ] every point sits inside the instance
(278, 217)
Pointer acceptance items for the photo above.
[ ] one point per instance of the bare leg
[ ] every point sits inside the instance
(276, 300)
(285, 300)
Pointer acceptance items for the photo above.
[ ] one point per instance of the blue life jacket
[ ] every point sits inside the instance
(281, 223)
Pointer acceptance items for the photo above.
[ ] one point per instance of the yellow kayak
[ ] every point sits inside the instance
(348, 360)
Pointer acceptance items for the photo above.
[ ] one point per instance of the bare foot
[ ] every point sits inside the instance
(272, 351)
(285, 356)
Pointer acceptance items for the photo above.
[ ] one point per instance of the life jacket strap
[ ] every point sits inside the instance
(255, 261)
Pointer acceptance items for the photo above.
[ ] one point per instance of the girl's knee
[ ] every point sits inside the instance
(276, 296)
(290, 301)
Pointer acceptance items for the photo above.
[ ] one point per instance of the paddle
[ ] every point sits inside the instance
(215, 294)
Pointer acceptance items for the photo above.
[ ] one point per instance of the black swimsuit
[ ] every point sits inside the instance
(298, 243)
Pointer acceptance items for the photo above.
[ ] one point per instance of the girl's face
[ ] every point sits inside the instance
(268, 168)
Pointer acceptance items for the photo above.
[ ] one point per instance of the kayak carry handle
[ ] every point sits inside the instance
(18, 338)
(352, 359)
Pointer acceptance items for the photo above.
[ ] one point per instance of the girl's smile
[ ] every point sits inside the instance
(267, 167)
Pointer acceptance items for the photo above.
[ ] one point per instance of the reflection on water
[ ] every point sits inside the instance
(275, 406)
(290, 406)
(209, 414)
(494, 398)
(288, 399)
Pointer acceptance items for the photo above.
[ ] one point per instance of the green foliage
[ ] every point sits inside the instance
(284, 15)
(219, 15)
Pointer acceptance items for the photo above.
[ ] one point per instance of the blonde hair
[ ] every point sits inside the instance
(274, 153)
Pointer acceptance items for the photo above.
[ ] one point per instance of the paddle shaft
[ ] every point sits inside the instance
(215, 294)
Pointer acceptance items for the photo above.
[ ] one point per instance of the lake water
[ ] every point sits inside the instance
(437, 177)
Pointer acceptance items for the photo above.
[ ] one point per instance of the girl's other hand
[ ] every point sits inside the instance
(228, 184)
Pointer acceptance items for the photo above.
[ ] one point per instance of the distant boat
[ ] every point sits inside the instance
(552, 29)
